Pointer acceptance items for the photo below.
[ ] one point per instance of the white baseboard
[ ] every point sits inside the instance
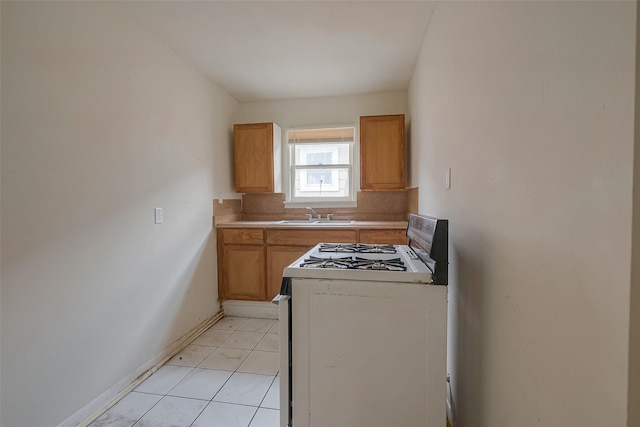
(256, 309)
(106, 400)
(102, 400)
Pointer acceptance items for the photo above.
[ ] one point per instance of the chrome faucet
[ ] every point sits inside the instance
(313, 212)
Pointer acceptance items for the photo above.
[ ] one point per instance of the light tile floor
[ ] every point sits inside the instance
(227, 377)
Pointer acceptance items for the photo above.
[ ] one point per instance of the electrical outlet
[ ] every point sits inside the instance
(159, 215)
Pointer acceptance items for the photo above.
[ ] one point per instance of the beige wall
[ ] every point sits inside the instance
(531, 104)
(634, 323)
(330, 110)
(101, 123)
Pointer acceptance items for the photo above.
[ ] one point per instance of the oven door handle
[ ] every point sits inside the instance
(276, 300)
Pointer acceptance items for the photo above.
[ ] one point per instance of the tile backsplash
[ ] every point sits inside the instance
(227, 211)
(371, 206)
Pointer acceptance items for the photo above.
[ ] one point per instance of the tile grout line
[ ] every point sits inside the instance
(189, 337)
(234, 372)
(257, 408)
(191, 370)
(268, 389)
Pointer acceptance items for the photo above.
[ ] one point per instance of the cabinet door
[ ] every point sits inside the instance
(309, 238)
(244, 272)
(382, 152)
(253, 157)
(278, 258)
(389, 237)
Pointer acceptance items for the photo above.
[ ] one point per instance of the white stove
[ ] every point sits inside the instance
(363, 332)
(363, 262)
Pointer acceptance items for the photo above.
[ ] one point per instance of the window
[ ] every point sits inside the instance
(321, 165)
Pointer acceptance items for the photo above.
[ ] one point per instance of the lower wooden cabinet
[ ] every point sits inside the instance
(243, 271)
(389, 237)
(286, 246)
(310, 238)
(278, 258)
(251, 260)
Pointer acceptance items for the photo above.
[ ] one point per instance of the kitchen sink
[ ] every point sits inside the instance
(322, 221)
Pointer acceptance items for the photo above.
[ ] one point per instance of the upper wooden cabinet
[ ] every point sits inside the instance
(382, 152)
(257, 158)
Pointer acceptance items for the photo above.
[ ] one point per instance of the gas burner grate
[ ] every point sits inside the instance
(357, 248)
(355, 263)
(394, 264)
(317, 262)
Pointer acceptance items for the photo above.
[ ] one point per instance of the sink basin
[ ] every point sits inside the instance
(333, 221)
(322, 221)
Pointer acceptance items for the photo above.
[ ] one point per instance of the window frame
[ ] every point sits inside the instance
(289, 167)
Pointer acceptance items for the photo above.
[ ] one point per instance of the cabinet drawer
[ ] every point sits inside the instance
(243, 236)
(391, 237)
(309, 237)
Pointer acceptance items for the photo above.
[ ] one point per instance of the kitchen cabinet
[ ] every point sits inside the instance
(244, 272)
(241, 264)
(286, 246)
(297, 237)
(390, 237)
(257, 158)
(278, 258)
(382, 152)
(250, 265)
(251, 260)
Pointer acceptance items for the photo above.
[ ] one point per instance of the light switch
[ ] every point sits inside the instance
(159, 216)
(447, 178)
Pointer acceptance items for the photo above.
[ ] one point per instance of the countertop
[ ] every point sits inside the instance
(387, 225)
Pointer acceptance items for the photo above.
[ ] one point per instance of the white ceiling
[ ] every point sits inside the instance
(263, 50)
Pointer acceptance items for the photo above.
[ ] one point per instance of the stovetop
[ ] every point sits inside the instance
(360, 248)
(356, 261)
(424, 260)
